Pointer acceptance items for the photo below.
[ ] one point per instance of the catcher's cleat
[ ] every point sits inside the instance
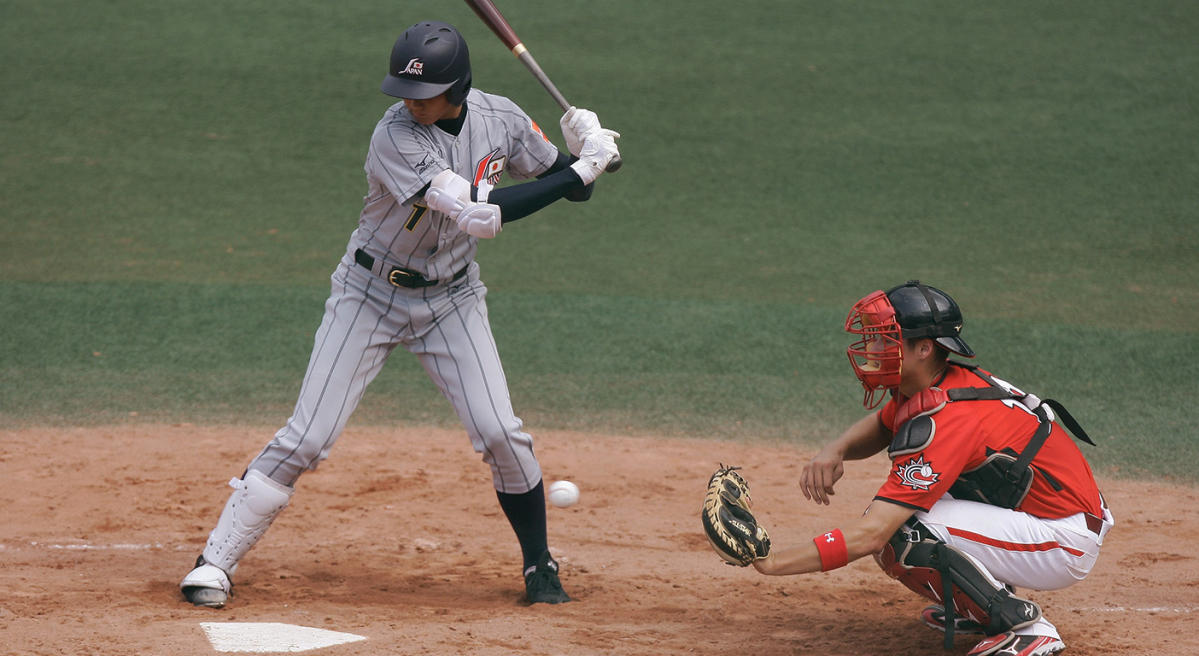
(1010, 644)
(206, 585)
(934, 617)
(541, 582)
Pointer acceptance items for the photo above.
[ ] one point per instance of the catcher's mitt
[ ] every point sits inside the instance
(728, 523)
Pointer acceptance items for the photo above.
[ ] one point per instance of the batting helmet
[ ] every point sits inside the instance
(429, 58)
(924, 311)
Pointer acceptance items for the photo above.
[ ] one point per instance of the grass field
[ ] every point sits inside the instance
(178, 179)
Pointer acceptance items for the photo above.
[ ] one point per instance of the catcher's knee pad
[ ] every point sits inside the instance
(254, 504)
(915, 557)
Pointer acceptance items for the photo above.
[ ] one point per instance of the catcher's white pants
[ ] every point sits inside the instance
(1019, 549)
(447, 328)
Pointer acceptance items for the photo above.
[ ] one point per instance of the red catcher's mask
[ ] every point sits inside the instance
(877, 355)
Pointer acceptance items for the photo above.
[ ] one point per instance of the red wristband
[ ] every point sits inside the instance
(833, 552)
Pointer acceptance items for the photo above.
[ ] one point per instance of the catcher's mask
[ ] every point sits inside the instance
(882, 320)
(877, 355)
(429, 59)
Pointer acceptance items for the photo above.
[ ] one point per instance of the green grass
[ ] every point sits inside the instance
(177, 181)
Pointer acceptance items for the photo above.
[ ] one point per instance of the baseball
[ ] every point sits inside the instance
(564, 494)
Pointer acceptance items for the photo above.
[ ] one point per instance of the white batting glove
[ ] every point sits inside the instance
(576, 125)
(480, 220)
(448, 193)
(599, 148)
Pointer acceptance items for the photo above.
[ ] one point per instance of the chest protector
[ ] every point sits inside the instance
(1005, 477)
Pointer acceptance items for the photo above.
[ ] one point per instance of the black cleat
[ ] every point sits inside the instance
(541, 582)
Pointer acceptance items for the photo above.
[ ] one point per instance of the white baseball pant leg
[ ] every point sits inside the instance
(1017, 548)
(459, 353)
(446, 326)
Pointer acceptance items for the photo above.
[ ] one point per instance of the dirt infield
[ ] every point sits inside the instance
(100, 524)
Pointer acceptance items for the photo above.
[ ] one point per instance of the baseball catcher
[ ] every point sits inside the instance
(986, 493)
(728, 522)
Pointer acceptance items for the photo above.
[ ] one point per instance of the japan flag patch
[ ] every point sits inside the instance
(916, 474)
(490, 168)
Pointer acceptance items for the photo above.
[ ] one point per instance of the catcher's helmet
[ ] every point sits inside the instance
(924, 311)
(429, 58)
(882, 320)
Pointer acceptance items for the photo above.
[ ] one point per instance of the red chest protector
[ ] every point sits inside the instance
(1006, 476)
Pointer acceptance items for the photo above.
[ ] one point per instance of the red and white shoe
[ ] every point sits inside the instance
(1010, 644)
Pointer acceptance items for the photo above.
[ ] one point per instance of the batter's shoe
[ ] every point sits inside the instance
(1010, 644)
(934, 616)
(206, 585)
(541, 582)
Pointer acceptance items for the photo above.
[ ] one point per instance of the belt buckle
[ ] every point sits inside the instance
(402, 278)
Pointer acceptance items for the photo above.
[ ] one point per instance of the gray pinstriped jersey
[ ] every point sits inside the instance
(405, 155)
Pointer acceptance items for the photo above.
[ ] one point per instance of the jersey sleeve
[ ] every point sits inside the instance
(531, 152)
(917, 480)
(402, 159)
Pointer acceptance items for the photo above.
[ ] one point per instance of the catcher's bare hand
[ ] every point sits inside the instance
(818, 476)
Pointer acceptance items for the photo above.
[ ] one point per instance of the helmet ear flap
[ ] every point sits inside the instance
(456, 94)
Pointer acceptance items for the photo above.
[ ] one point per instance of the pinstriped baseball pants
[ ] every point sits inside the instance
(447, 328)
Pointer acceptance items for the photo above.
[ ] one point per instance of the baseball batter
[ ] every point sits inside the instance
(986, 493)
(408, 278)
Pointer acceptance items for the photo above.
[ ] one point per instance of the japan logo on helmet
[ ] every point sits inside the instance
(415, 67)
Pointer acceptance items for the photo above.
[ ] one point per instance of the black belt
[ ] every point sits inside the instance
(401, 277)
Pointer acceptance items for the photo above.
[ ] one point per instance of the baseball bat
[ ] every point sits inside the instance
(492, 18)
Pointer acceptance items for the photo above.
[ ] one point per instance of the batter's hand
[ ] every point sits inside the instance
(818, 476)
(449, 193)
(480, 220)
(577, 124)
(598, 149)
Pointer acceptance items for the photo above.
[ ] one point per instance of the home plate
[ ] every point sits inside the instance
(271, 637)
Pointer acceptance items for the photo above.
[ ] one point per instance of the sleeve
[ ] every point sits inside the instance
(520, 200)
(402, 160)
(917, 480)
(531, 153)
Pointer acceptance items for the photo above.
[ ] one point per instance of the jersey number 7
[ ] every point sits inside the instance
(418, 211)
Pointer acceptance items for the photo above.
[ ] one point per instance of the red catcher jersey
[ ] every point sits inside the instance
(964, 430)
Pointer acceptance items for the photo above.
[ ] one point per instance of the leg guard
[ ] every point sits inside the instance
(254, 504)
(933, 569)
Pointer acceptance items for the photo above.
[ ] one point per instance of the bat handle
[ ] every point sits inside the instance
(522, 53)
(526, 58)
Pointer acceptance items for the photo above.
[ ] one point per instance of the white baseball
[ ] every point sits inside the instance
(563, 494)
